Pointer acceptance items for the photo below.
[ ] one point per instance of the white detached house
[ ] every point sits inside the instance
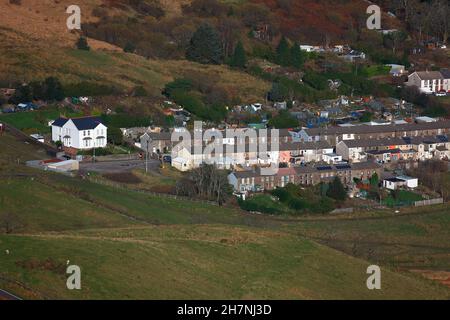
(429, 81)
(80, 133)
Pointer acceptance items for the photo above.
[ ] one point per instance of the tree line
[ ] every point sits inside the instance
(206, 182)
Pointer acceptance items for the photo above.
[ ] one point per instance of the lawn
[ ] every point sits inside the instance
(376, 70)
(35, 121)
(402, 198)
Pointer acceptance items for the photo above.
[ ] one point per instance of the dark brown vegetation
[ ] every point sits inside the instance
(124, 177)
(10, 222)
(434, 174)
(206, 182)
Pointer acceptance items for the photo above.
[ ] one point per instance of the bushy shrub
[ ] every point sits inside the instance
(87, 88)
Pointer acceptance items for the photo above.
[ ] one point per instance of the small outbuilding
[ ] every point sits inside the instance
(399, 182)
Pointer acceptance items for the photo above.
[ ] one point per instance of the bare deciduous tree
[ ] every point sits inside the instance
(440, 22)
(205, 182)
(10, 222)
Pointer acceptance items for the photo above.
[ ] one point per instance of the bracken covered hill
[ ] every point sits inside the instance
(314, 21)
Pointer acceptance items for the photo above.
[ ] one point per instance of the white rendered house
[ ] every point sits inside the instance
(427, 81)
(80, 133)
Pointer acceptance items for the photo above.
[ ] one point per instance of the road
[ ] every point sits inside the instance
(5, 295)
(117, 166)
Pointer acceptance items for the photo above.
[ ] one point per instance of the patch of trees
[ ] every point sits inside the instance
(285, 89)
(315, 80)
(50, 89)
(139, 91)
(384, 49)
(125, 120)
(261, 203)
(253, 15)
(336, 190)
(115, 135)
(90, 89)
(146, 8)
(206, 8)
(435, 175)
(199, 95)
(154, 39)
(431, 106)
(169, 37)
(283, 120)
(424, 17)
(290, 200)
(290, 56)
(206, 182)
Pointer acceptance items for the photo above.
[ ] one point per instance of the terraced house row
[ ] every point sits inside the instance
(334, 135)
(395, 149)
(357, 143)
(255, 181)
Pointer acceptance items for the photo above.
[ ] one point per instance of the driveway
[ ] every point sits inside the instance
(117, 166)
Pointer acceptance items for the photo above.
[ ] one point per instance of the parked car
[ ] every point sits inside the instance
(167, 159)
(441, 94)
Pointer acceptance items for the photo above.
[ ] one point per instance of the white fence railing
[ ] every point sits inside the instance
(428, 202)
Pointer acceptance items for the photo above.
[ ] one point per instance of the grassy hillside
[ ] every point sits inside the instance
(119, 69)
(209, 262)
(132, 245)
(419, 239)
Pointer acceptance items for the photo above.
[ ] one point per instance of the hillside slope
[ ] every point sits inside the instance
(25, 59)
(316, 22)
(45, 20)
(135, 246)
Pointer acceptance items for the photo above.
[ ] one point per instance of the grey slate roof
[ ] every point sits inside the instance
(374, 142)
(59, 122)
(85, 123)
(429, 75)
(445, 73)
(335, 130)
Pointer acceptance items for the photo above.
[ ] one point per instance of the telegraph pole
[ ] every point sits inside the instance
(146, 158)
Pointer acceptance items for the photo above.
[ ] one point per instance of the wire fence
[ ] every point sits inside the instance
(150, 193)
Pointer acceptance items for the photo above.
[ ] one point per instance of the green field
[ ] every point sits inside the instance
(132, 245)
(36, 121)
(418, 239)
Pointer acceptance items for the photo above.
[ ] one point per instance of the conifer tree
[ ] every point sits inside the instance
(205, 46)
(283, 53)
(336, 190)
(239, 58)
(297, 56)
(82, 44)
